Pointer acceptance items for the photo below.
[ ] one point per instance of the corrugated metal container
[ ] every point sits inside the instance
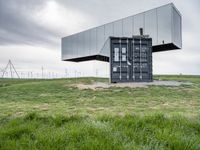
(130, 59)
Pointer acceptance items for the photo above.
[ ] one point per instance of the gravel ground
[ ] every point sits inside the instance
(104, 85)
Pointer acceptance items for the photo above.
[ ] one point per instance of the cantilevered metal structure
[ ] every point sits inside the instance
(162, 24)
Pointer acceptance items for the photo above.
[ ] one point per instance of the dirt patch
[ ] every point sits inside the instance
(102, 85)
(105, 85)
(43, 107)
(18, 114)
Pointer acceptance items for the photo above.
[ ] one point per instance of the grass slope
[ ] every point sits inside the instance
(52, 114)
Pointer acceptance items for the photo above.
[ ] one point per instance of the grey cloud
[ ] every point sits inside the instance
(16, 27)
(105, 11)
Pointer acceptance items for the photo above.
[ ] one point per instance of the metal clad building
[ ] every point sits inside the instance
(162, 24)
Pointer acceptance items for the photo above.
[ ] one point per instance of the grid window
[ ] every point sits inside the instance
(116, 54)
(123, 57)
(123, 50)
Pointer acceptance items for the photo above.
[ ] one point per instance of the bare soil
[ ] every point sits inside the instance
(105, 85)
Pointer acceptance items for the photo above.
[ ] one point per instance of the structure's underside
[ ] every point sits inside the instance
(157, 48)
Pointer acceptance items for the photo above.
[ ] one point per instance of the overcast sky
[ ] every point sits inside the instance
(31, 31)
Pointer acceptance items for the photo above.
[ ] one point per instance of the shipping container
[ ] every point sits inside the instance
(130, 59)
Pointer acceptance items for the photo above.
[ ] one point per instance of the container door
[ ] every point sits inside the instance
(136, 60)
(125, 64)
(142, 66)
(120, 65)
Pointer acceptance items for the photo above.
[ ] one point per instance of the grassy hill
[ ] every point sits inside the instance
(54, 114)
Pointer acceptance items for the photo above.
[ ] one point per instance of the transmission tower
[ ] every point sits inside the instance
(10, 67)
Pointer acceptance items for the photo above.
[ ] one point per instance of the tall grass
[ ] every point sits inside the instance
(101, 132)
(157, 117)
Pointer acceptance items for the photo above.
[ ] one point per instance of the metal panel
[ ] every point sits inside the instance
(109, 30)
(177, 28)
(100, 37)
(78, 43)
(138, 23)
(76, 46)
(73, 46)
(105, 51)
(70, 50)
(118, 30)
(85, 51)
(81, 44)
(164, 24)
(128, 27)
(151, 25)
(65, 48)
(87, 43)
(93, 41)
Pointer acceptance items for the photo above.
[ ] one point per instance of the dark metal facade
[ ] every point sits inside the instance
(130, 59)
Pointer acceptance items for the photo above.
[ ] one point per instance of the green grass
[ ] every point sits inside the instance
(53, 114)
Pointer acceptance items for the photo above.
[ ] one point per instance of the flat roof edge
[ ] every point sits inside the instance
(121, 19)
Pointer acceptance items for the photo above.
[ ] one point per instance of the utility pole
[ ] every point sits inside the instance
(1, 70)
(75, 76)
(96, 72)
(66, 73)
(11, 70)
(42, 72)
(10, 67)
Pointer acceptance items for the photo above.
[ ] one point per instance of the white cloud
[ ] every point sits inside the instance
(61, 19)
